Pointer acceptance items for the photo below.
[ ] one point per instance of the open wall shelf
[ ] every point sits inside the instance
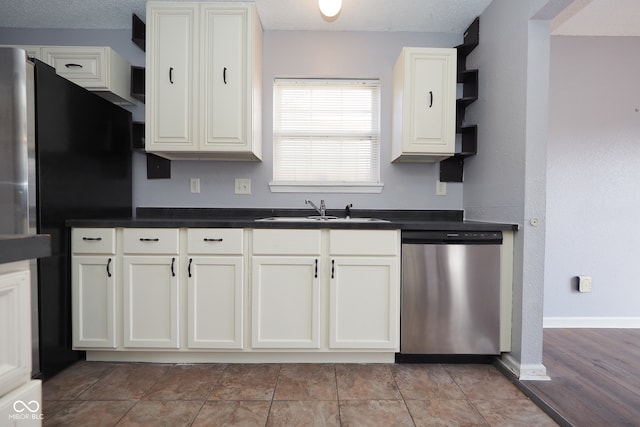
(452, 169)
(157, 167)
(138, 31)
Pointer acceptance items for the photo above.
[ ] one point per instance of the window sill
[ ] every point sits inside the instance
(281, 187)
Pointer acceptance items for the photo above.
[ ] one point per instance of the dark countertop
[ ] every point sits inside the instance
(19, 247)
(246, 218)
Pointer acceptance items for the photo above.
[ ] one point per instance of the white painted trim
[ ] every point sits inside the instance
(591, 322)
(277, 187)
(524, 372)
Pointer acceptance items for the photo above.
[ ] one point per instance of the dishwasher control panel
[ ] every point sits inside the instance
(452, 237)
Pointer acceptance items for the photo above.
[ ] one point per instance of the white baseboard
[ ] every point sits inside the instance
(525, 372)
(591, 322)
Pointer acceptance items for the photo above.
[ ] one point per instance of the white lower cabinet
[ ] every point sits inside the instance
(215, 288)
(162, 294)
(285, 289)
(94, 270)
(151, 288)
(15, 328)
(22, 406)
(365, 289)
(364, 308)
(20, 396)
(286, 302)
(93, 300)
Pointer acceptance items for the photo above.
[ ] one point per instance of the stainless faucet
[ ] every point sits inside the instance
(322, 210)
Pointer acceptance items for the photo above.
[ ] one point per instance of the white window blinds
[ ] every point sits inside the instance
(326, 132)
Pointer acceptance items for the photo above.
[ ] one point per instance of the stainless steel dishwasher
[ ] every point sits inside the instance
(450, 293)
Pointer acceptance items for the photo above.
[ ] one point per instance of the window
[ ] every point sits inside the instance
(326, 135)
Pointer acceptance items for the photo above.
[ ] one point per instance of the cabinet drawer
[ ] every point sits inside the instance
(286, 242)
(151, 240)
(364, 242)
(215, 241)
(83, 65)
(93, 240)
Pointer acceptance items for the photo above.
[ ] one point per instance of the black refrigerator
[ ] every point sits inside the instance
(66, 154)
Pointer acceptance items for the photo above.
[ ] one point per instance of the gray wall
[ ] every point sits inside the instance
(506, 180)
(285, 54)
(593, 197)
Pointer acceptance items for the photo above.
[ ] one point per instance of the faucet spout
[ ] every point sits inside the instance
(322, 210)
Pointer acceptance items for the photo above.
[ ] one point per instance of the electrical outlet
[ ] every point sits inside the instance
(195, 185)
(585, 284)
(441, 188)
(243, 186)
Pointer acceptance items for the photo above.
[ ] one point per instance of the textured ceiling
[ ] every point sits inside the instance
(582, 17)
(449, 16)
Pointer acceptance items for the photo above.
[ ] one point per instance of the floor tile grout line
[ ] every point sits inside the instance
(273, 394)
(466, 396)
(401, 394)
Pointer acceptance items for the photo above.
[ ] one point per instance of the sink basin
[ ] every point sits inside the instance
(317, 218)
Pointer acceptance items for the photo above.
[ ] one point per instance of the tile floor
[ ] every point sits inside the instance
(138, 394)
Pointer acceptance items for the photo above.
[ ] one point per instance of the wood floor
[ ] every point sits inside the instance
(595, 376)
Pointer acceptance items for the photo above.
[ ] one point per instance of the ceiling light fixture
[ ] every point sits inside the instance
(330, 8)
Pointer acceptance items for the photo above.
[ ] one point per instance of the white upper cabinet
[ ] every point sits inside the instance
(172, 77)
(96, 68)
(99, 69)
(203, 81)
(424, 105)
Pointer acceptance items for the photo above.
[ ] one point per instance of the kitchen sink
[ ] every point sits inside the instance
(318, 218)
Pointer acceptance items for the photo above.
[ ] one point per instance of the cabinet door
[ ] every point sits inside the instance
(433, 113)
(15, 331)
(224, 78)
(150, 287)
(172, 77)
(364, 303)
(93, 287)
(215, 301)
(285, 302)
(424, 104)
